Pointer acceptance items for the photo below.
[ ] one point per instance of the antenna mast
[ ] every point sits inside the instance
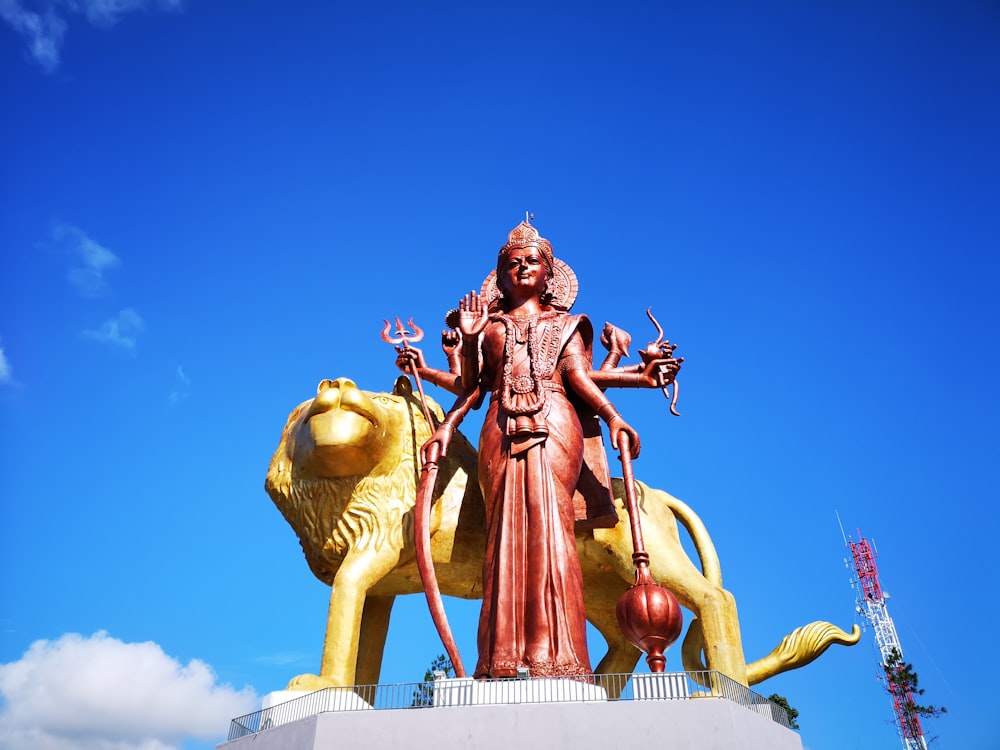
(871, 606)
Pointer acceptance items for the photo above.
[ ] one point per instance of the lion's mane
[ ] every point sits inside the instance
(333, 515)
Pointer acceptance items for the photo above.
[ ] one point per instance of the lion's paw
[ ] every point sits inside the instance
(310, 682)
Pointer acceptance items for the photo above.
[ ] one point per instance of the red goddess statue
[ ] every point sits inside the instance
(542, 468)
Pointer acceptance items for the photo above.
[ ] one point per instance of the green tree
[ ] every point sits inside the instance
(903, 683)
(793, 713)
(424, 694)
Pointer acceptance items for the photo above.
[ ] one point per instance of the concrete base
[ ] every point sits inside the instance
(694, 724)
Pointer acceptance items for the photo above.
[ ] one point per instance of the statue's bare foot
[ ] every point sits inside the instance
(310, 682)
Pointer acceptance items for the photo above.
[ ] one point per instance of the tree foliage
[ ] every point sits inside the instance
(903, 683)
(424, 694)
(793, 713)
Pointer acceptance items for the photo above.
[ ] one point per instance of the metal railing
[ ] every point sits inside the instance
(463, 692)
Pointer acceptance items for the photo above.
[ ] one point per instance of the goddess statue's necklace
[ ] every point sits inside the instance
(520, 384)
(520, 326)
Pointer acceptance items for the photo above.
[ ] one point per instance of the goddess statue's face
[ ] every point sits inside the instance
(524, 273)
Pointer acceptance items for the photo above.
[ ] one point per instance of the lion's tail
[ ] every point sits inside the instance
(800, 647)
(711, 568)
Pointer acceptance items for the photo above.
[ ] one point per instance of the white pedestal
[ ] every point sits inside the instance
(709, 723)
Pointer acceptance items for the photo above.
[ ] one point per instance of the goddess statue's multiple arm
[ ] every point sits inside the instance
(412, 356)
(461, 347)
(462, 379)
(462, 353)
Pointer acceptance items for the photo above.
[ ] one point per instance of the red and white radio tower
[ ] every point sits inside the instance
(871, 606)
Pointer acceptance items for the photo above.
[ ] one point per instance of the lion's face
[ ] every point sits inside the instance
(344, 474)
(346, 432)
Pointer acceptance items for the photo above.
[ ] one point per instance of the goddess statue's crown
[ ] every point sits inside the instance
(525, 235)
(562, 283)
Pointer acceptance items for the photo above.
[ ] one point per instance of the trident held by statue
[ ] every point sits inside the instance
(404, 336)
(422, 507)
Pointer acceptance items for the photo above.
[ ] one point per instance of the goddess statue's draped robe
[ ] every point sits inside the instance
(530, 456)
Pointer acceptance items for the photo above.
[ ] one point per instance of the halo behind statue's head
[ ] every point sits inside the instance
(563, 284)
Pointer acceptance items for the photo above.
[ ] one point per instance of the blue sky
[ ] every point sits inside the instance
(209, 207)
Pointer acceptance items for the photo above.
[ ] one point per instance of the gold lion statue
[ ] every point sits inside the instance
(344, 476)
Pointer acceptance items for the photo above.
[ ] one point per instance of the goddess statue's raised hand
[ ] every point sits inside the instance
(472, 315)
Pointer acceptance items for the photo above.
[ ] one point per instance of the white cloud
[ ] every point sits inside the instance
(6, 376)
(122, 330)
(43, 31)
(93, 260)
(99, 693)
(43, 23)
(182, 386)
(107, 13)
